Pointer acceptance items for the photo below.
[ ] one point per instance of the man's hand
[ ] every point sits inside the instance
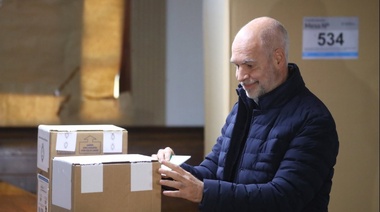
(164, 154)
(188, 187)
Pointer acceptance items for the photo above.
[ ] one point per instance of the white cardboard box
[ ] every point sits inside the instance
(106, 183)
(73, 140)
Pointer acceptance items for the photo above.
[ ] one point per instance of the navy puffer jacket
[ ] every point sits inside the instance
(287, 160)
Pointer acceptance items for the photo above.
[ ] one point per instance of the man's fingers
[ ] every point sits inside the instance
(168, 153)
(170, 173)
(168, 164)
(184, 184)
(171, 183)
(173, 167)
(172, 193)
(164, 154)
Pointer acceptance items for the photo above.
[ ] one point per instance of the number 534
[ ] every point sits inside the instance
(329, 38)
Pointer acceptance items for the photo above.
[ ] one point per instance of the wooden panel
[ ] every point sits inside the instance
(184, 141)
(18, 151)
(16, 199)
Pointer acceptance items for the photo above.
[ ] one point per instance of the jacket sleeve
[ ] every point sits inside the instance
(306, 167)
(209, 167)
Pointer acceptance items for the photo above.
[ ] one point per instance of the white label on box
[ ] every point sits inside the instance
(66, 141)
(92, 178)
(43, 148)
(141, 177)
(112, 142)
(61, 184)
(42, 193)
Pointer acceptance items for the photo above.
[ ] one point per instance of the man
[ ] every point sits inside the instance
(278, 147)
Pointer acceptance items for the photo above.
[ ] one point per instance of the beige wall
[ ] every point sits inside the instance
(350, 88)
(216, 52)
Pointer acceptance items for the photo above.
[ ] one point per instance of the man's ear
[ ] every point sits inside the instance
(279, 57)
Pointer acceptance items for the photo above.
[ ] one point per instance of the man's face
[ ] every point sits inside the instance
(255, 69)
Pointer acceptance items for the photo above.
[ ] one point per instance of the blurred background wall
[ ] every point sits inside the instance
(61, 62)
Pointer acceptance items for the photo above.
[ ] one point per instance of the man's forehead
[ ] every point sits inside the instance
(244, 51)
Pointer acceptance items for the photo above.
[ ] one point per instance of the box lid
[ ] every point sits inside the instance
(71, 128)
(96, 159)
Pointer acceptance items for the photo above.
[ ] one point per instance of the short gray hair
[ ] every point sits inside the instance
(273, 35)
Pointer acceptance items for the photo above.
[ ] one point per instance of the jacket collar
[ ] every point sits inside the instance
(279, 95)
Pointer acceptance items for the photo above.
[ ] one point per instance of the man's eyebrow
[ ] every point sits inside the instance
(246, 61)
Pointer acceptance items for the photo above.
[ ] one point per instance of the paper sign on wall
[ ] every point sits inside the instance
(330, 38)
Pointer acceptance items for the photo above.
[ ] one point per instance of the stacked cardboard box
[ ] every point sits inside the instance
(72, 140)
(105, 183)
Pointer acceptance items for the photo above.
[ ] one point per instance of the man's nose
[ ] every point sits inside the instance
(241, 74)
